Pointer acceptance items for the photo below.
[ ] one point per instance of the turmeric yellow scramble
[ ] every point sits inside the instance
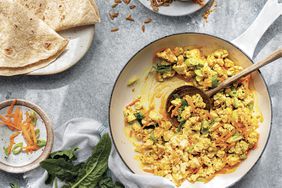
(197, 144)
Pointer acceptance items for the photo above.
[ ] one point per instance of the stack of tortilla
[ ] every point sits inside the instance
(28, 38)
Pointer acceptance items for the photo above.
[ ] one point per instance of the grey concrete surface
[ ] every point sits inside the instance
(84, 90)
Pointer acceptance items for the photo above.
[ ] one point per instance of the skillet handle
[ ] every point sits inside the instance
(250, 38)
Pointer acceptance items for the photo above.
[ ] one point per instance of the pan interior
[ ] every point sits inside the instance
(142, 61)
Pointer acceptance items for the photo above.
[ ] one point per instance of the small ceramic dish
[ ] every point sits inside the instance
(176, 8)
(24, 162)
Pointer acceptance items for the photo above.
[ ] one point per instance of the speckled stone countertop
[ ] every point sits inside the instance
(85, 89)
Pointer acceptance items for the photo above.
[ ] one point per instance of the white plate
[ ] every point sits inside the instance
(176, 8)
(80, 40)
(24, 162)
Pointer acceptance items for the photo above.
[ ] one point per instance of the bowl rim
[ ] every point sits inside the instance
(49, 133)
(190, 33)
(174, 15)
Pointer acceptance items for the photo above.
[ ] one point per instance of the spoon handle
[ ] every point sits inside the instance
(272, 57)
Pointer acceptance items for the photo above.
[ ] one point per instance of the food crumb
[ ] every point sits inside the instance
(129, 18)
(132, 80)
(117, 1)
(148, 20)
(115, 29)
(126, 1)
(114, 5)
(143, 28)
(132, 7)
(113, 15)
(210, 10)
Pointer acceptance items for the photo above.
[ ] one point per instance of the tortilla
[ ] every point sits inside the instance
(64, 14)
(26, 42)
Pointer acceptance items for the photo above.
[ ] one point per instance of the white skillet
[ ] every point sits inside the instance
(241, 49)
(176, 8)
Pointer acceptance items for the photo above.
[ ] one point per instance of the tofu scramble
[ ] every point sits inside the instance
(197, 144)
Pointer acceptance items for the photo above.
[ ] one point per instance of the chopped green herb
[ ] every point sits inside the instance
(17, 148)
(180, 126)
(41, 143)
(215, 82)
(163, 68)
(37, 133)
(139, 116)
(204, 127)
(6, 151)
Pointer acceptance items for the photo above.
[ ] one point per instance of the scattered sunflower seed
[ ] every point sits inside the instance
(126, 1)
(143, 28)
(129, 18)
(148, 20)
(114, 5)
(117, 1)
(113, 15)
(132, 6)
(115, 29)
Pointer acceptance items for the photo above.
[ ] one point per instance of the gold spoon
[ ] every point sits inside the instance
(206, 95)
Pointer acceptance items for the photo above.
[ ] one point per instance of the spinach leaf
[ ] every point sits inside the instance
(95, 166)
(66, 154)
(139, 116)
(163, 68)
(60, 168)
(151, 126)
(107, 182)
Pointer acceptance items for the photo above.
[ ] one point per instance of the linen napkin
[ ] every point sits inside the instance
(85, 134)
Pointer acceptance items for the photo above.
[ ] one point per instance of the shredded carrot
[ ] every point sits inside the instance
(190, 102)
(12, 141)
(174, 111)
(11, 108)
(133, 102)
(9, 124)
(26, 135)
(31, 148)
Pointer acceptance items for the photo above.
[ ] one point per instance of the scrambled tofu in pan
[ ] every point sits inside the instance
(195, 144)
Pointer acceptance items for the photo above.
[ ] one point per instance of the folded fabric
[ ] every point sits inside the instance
(85, 134)
(64, 14)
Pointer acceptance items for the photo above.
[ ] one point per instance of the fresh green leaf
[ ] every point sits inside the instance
(95, 166)
(14, 185)
(66, 154)
(60, 168)
(107, 182)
